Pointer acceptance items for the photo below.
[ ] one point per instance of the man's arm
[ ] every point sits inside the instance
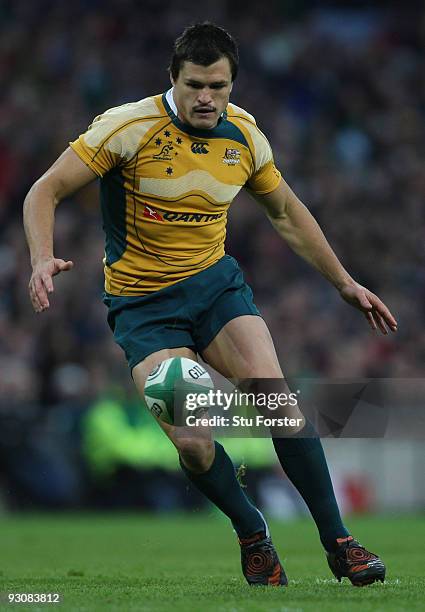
(300, 230)
(64, 177)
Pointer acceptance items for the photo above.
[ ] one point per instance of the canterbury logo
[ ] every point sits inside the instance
(199, 147)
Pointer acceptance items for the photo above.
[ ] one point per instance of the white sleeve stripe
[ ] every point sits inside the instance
(262, 150)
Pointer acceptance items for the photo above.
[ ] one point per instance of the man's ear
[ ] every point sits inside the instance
(231, 86)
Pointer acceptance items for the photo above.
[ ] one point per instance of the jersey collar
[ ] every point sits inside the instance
(169, 96)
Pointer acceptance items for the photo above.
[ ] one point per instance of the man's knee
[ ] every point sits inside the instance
(197, 454)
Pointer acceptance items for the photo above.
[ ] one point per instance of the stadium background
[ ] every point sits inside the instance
(341, 95)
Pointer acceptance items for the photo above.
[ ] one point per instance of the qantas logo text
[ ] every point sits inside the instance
(187, 217)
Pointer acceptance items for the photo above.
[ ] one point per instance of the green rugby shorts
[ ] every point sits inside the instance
(189, 313)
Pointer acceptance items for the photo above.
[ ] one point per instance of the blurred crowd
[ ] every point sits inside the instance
(340, 94)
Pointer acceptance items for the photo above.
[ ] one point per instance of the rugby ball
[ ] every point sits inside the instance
(173, 385)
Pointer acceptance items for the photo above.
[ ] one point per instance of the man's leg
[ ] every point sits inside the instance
(210, 469)
(244, 349)
(205, 463)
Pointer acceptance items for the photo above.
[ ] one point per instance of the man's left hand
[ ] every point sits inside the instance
(375, 311)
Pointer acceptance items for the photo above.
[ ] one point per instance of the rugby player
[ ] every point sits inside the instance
(169, 167)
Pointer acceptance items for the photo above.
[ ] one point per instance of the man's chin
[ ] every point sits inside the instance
(206, 123)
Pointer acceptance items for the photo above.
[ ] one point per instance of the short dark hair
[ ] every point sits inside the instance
(203, 44)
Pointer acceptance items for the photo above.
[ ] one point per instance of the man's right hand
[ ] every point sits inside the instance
(41, 283)
(67, 175)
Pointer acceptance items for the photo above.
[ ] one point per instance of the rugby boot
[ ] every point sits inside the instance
(353, 561)
(260, 563)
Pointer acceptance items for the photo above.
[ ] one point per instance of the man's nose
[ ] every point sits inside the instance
(204, 96)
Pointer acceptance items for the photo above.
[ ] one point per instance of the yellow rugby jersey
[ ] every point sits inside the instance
(166, 187)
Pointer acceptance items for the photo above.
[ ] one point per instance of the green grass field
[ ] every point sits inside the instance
(126, 563)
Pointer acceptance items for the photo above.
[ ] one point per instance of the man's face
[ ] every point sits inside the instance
(201, 93)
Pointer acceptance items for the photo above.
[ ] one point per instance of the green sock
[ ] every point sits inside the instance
(304, 462)
(222, 488)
